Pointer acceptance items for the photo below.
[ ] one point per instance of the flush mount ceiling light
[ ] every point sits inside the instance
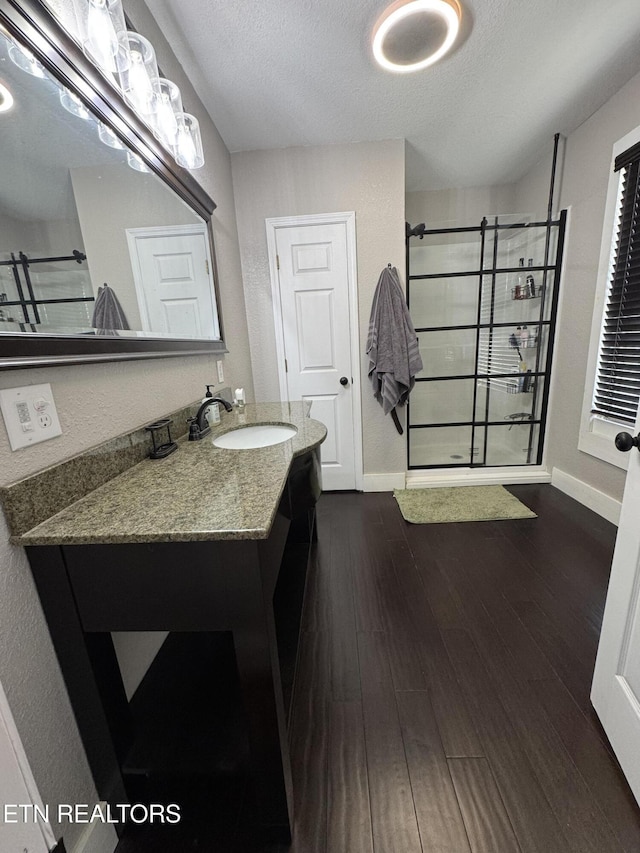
(413, 34)
(6, 99)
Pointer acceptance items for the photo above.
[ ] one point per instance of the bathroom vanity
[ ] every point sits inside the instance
(190, 543)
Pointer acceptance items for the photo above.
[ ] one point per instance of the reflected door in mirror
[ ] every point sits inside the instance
(172, 274)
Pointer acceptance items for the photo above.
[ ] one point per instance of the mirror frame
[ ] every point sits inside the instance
(33, 24)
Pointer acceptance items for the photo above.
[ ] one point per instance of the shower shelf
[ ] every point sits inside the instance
(461, 294)
(515, 298)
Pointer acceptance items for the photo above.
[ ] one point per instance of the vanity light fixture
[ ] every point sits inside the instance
(188, 150)
(167, 107)
(131, 59)
(136, 78)
(103, 33)
(413, 34)
(6, 99)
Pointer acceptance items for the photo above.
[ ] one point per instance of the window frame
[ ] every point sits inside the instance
(596, 432)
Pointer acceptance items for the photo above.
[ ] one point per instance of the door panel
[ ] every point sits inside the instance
(182, 317)
(316, 323)
(615, 692)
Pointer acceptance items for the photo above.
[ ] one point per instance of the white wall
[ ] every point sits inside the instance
(97, 402)
(583, 181)
(367, 177)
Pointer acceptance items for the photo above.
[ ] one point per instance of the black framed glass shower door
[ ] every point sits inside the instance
(483, 300)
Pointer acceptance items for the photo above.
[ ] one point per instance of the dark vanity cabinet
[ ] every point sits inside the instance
(197, 588)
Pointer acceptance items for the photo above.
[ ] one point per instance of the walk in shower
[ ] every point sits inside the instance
(483, 300)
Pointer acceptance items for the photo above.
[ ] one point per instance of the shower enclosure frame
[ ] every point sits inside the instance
(551, 273)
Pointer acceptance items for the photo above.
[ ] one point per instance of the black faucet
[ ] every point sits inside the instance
(198, 426)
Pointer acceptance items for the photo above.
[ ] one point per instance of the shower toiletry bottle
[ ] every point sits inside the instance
(526, 382)
(524, 336)
(240, 402)
(520, 286)
(212, 414)
(519, 335)
(522, 376)
(531, 285)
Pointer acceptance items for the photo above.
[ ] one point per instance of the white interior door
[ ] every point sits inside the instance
(615, 692)
(315, 273)
(172, 271)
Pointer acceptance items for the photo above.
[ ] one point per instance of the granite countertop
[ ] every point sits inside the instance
(198, 493)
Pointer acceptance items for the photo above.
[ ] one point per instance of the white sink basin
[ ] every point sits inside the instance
(260, 435)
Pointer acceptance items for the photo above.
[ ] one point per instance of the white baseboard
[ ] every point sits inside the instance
(438, 477)
(98, 838)
(383, 482)
(593, 498)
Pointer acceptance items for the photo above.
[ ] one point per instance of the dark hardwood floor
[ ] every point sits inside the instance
(442, 691)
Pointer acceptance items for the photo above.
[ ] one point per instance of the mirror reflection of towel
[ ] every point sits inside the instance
(108, 315)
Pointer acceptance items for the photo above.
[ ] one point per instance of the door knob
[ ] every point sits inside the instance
(344, 381)
(625, 442)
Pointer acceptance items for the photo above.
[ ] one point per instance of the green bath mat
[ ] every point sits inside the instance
(459, 503)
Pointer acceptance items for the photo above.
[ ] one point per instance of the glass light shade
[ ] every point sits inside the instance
(136, 79)
(109, 137)
(137, 163)
(188, 150)
(103, 33)
(167, 106)
(74, 105)
(25, 60)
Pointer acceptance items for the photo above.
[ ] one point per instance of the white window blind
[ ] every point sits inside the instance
(617, 389)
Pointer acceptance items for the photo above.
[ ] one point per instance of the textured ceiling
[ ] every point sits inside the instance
(278, 73)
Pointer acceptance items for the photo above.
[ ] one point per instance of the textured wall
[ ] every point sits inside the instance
(366, 177)
(96, 402)
(458, 207)
(583, 180)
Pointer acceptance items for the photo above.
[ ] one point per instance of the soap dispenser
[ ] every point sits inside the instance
(212, 415)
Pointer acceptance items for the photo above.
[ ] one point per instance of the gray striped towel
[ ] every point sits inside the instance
(392, 344)
(108, 315)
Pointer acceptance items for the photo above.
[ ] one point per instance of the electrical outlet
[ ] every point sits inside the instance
(29, 414)
(220, 365)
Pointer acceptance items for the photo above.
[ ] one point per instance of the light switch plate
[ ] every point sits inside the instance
(29, 415)
(220, 371)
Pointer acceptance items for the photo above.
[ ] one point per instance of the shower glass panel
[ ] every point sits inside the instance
(447, 401)
(503, 400)
(447, 251)
(446, 302)
(512, 445)
(483, 300)
(448, 353)
(514, 244)
(437, 447)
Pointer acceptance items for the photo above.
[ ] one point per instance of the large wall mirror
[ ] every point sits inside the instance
(105, 243)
